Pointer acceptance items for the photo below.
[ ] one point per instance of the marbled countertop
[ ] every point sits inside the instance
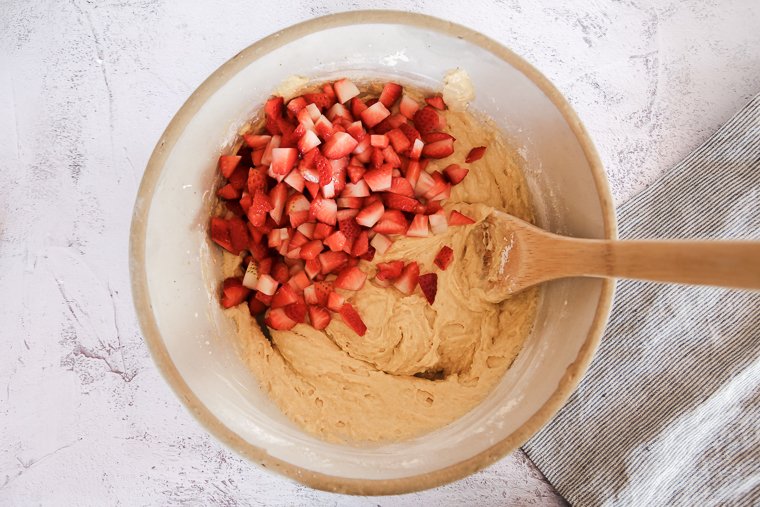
(86, 88)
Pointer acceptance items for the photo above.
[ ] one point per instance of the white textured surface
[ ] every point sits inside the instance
(85, 91)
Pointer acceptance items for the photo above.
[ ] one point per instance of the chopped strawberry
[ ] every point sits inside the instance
(475, 154)
(297, 239)
(370, 215)
(408, 106)
(352, 318)
(416, 151)
(350, 202)
(361, 245)
(280, 272)
(228, 163)
(336, 241)
(299, 280)
(278, 195)
(432, 137)
(256, 141)
(355, 173)
(357, 106)
(359, 189)
(260, 206)
(313, 188)
(266, 284)
(295, 180)
(424, 183)
(379, 179)
(400, 202)
(439, 185)
(335, 301)
(457, 218)
(339, 145)
(401, 186)
(295, 106)
(438, 222)
(391, 157)
(273, 143)
(379, 141)
(265, 266)
(284, 296)
(392, 222)
(351, 278)
(324, 210)
(426, 120)
(296, 312)
(356, 131)
(439, 149)
(321, 100)
(257, 179)
(310, 295)
(323, 290)
(257, 155)
(273, 107)
(238, 234)
(311, 249)
(381, 243)
(319, 317)
(264, 298)
(419, 227)
(312, 268)
(337, 113)
(233, 292)
(399, 140)
(332, 261)
(455, 173)
(297, 209)
(444, 257)
(413, 171)
(407, 282)
(369, 254)
(389, 271)
(228, 192)
(390, 94)
(283, 160)
(324, 127)
(256, 307)
(350, 228)
(374, 114)
(345, 90)
(346, 213)
(429, 285)
(321, 231)
(437, 102)
(276, 318)
(239, 177)
(308, 141)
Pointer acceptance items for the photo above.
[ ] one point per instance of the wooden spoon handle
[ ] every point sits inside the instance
(722, 263)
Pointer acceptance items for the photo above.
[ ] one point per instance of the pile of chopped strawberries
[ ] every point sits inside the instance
(331, 180)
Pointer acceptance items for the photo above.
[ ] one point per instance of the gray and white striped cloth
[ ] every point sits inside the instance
(669, 412)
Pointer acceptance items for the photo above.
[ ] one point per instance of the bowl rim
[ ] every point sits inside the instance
(203, 415)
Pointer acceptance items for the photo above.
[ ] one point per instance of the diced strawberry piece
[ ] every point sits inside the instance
(228, 163)
(429, 285)
(352, 318)
(313, 110)
(426, 120)
(442, 195)
(295, 181)
(321, 231)
(324, 210)
(401, 186)
(407, 282)
(475, 154)
(296, 312)
(408, 106)
(284, 296)
(356, 130)
(439, 149)
(332, 261)
(258, 250)
(346, 213)
(311, 249)
(355, 173)
(235, 208)
(457, 218)
(251, 276)
(432, 137)
(321, 100)
(361, 245)
(264, 298)
(300, 280)
(374, 114)
(323, 290)
(381, 243)
(416, 151)
(256, 307)
(412, 174)
(233, 292)
(308, 141)
(283, 160)
(370, 215)
(359, 189)
(256, 141)
(337, 112)
(239, 177)
(295, 106)
(411, 133)
(389, 270)
(399, 140)
(391, 157)
(376, 157)
(372, 198)
(350, 202)
(266, 284)
(278, 195)
(238, 234)
(349, 228)
(324, 127)
(273, 107)
(455, 173)
(319, 317)
(336, 241)
(310, 295)
(260, 206)
(257, 180)
(379, 141)
(274, 143)
(307, 229)
(437, 102)
(228, 192)
(444, 257)
(276, 318)
(363, 146)
(257, 155)
(345, 90)
(289, 135)
(419, 227)
(390, 94)
(392, 222)
(313, 188)
(280, 272)
(339, 145)
(438, 222)
(351, 278)
(265, 266)
(379, 179)
(297, 240)
(312, 268)
(424, 183)
(335, 301)
(400, 202)
(438, 186)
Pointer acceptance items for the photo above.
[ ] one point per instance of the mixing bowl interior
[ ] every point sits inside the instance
(175, 269)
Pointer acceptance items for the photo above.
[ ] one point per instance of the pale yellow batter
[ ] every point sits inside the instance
(342, 387)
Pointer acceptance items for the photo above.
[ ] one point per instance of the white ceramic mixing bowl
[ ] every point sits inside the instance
(175, 279)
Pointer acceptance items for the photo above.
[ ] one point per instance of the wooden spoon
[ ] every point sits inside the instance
(517, 255)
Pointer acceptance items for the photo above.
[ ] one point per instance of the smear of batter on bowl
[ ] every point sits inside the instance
(344, 214)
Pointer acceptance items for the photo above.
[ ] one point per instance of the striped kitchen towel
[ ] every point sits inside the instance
(669, 411)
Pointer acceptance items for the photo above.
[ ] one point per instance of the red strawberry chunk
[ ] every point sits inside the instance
(438, 222)
(346, 213)
(444, 257)
(324, 210)
(277, 319)
(284, 296)
(321, 231)
(256, 307)
(259, 207)
(266, 284)
(392, 222)
(283, 160)
(379, 179)
(429, 285)
(239, 177)
(273, 143)
(228, 163)
(280, 272)
(381, 243)
(407, 282)
(321, 100)
(324, 127)
(256, 141)
(319, 317)
(361, 245)
(311, 249)
(337, 113)
(296, 312)
(400, 202)
(355, 173)
(408, 106)
(455, 173)
(379, 141)
(335, 301)
(399, 140)
(416, 151)
(300, 280)
(389, 270)
(413, 171)
(233, 292)
(475, 154)
(426, 120)
(457, 218)
(238, 234)
(312, 268)
(336, 241)
(370, 215)
(432, 137)
(332, 261)
(295, 180)
(345, 90)
(391, 157)
(339, 145)
(308, 141)
(352, 318)
(419, 227)
(351, 278)
(278, 195)
(374, 114)
(390, 94)
(323, 290)
(350, 202)
(439, 149)
(437, 102)
(358, 189)
(228, 192)
(401, 186)
(257, 180)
